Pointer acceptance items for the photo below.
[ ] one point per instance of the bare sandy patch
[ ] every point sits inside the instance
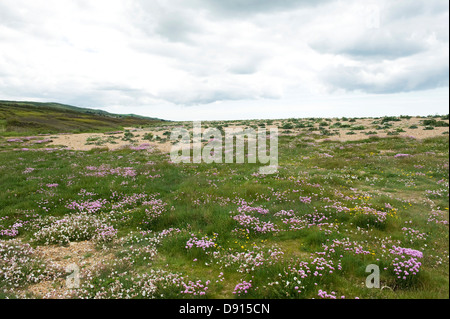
(81, 142)
(419, 134)
(404, 125)
(82, 254)
(161, 139)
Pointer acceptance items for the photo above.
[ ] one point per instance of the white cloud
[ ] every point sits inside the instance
(160, 58)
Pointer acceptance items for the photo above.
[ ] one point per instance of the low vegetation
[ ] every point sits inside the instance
(165, 230)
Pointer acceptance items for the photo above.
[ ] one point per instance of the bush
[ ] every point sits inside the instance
(435, 123)
(288, 126)
(388, 119)
(358, 128)
(148, 136)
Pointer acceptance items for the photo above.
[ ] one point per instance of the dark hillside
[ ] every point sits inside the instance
(37, 118)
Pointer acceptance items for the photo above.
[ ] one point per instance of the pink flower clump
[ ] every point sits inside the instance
(242, 288)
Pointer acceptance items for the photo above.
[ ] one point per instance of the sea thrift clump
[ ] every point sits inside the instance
(19, 266)
(246, 208)
(170, 231)
(414, 235)
(78, 227)
(324, 295)
(125, 285)
(14, 140)
(346, 246)
(128, 200)
(405, 262)
(301, 276)
(143, 247)
(90, 206)
(197, 288)
(406, 251)
(105, 170)
(28, 170)
(438, 217)
(142, 147)
(105, 234)
(315, 219)
(250, 260)
(242, 288)
(42, 141)
(402, 155)
(11, 232)
(203, 243)
(156, 207)
(254, 223)
(305, 200)
(284, 213)
(249, 222)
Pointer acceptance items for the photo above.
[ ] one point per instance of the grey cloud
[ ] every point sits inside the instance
(198, 98)
(378, 44)
(245, 7)
(182, 20)
(244, 69)
(175, 23)
(206, 95)
(246, 66)
(176, 29)
(407, 52)
(104, 86)
(404, 28)
(381, 80)
(409, 9)
(10, 17)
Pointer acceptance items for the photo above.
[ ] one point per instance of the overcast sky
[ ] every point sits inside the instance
(229, 59)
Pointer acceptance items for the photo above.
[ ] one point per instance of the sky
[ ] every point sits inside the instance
(224, 60)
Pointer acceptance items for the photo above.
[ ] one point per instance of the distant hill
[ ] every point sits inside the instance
(38, 118)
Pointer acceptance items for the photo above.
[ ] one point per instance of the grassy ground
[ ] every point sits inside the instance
(162, 230)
